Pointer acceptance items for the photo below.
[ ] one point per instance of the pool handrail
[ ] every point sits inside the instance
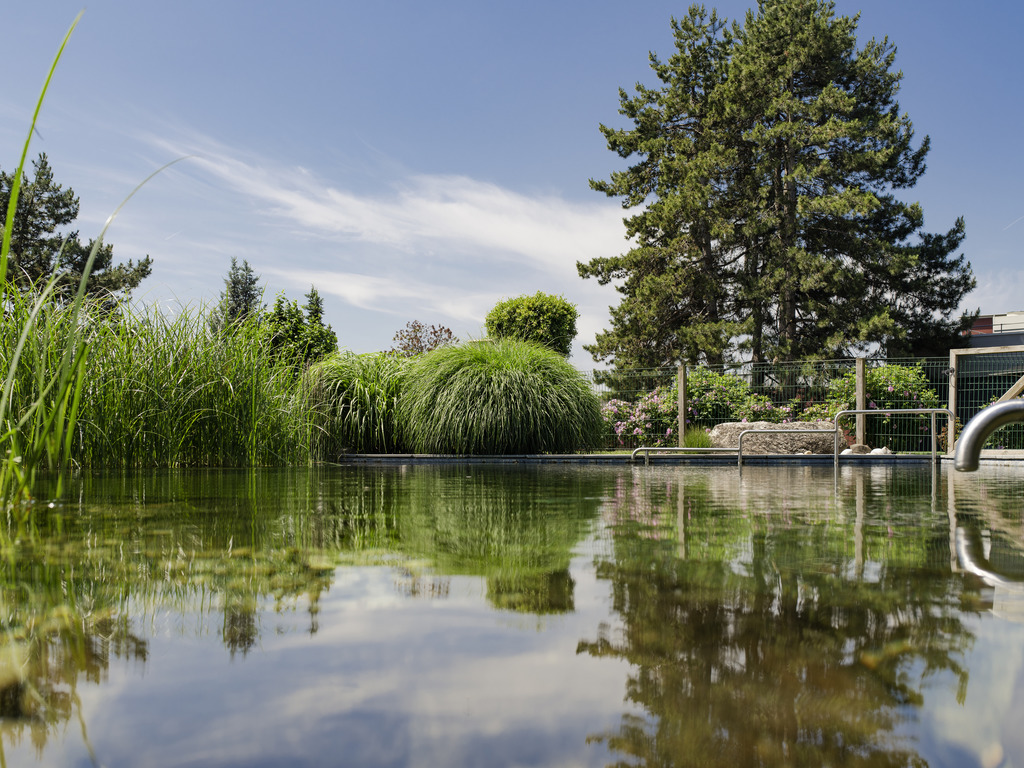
(983, 424)
(668, 449)
(835, 432)
(886, 411)
(739, 447)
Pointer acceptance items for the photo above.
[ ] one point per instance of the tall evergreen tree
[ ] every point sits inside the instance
(835, 261)
(675, 305)
(241, 297)
(319, 339)
(298, 333)
(41, 245)
(784, 161)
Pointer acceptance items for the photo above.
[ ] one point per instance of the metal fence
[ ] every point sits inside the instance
(982, 376)
(641, 406)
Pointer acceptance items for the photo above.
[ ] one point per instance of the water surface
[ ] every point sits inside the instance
(518, 615)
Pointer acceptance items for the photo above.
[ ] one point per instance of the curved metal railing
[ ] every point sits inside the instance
(984, 423)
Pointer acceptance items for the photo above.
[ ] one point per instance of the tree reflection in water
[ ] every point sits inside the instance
(790, 628)
(76, 588)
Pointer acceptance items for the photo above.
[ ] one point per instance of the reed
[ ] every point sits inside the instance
(167, 392)
(497, 397)
(37, 412)
(352, 402)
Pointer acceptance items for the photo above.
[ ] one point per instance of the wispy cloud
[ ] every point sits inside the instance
(461, 215)
(415, 246)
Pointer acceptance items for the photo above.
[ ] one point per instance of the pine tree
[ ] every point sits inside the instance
(319, 339)
(769, 162)
(835, 261)
(41, 246)
(240, 299)
(675, 305)
(298, 333)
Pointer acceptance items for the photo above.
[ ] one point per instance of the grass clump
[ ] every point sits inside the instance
(166, 392)
(352, 403)
(497, 397)
(697, 437)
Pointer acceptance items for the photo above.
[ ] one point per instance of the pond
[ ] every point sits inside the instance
(521, 615)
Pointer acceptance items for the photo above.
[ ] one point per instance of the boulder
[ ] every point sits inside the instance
(728, 436)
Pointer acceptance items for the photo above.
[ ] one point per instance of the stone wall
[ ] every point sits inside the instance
(728, 436)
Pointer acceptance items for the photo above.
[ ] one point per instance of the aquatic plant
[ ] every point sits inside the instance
(163, 391)
(497, 397)
(37, 416)
(352, 402)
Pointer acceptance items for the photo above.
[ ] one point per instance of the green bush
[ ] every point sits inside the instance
(713, 398)
(542, 318)
(888, 387)
(497, 397)
(352, 402)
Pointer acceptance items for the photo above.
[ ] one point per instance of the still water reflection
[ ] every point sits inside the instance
(465, 615)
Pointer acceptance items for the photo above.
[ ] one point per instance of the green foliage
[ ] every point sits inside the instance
(762, 200)
(38, 411)
(889, 387)
(241, 297)
(42, 247)
(676, 305)
(296, 334)
(696, 437)
(713, 397)
(497, 397)
(417, 338)
(352, 401)
(163, 392)
(542, 318)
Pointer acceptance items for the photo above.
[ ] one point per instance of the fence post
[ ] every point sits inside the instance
(862, 399)
(681, 402)
(951, 422)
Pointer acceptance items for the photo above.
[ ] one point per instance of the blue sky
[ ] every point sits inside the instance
(425, 160)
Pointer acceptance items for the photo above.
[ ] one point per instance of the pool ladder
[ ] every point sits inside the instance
(968, 447)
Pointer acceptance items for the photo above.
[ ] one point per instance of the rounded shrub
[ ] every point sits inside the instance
(352, 403)
(497, 397)
(542, 318)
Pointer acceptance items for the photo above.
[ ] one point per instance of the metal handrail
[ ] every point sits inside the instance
(739, 448)
(887, 411)
(658, 449)
(983, 424)
(835, 432)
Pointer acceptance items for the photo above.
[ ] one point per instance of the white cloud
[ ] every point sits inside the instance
(429, 247)
(460, 215)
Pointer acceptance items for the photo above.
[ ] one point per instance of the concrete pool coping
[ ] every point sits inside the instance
(989, 457)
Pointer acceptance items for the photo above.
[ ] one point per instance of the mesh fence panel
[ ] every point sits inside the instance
(982, 379)
(641, 407)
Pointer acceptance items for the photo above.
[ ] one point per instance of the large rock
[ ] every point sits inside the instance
(728, 436)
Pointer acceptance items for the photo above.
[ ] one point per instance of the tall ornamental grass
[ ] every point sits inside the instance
(352, 403)
(497, 397)
(168, 392)
(37, 412)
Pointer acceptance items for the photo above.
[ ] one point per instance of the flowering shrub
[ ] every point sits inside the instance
(650, 421)
(712, 398)
(889, 387)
